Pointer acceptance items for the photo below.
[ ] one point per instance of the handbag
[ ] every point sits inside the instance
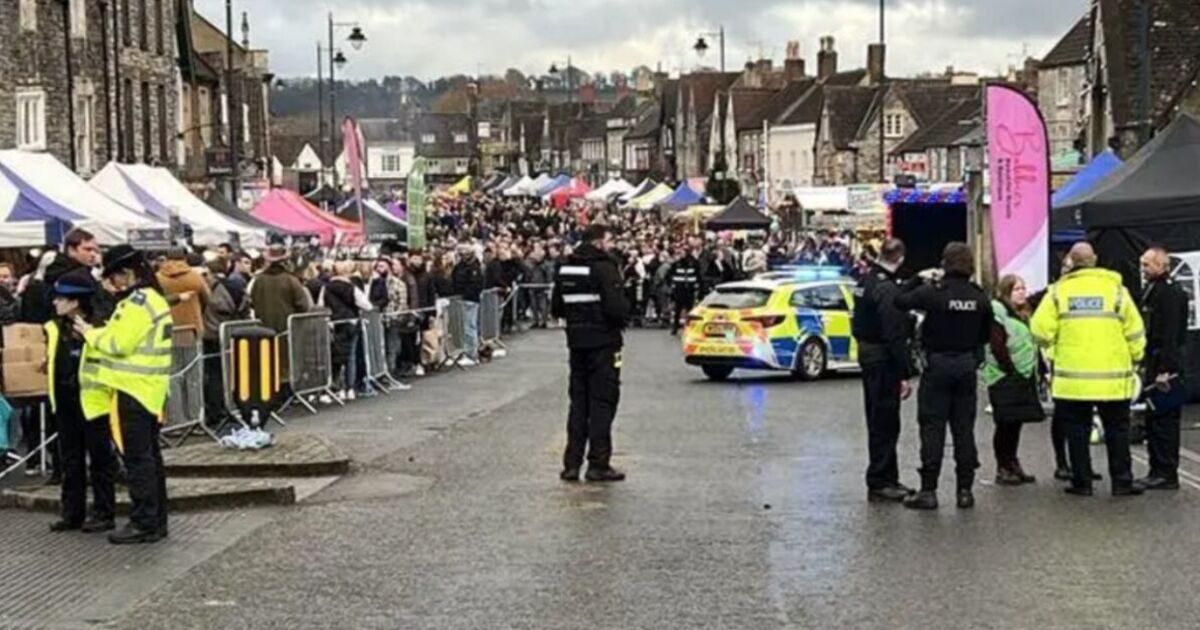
(1015, 398)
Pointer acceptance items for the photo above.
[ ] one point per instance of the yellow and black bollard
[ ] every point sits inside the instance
(255, 374)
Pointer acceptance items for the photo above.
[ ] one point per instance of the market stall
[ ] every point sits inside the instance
(50, 190)
(927, 221)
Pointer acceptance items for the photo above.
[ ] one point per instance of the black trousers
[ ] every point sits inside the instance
(948, 398)
(147, 478)
(214, 385)
(682, 308)
(1162, 444)
(86, 447)
(595, 390)
(1058, 437)
(881, 400)
(1115, 417)
(1005, 442)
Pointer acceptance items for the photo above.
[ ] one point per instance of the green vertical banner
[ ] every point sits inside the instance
(415, 196)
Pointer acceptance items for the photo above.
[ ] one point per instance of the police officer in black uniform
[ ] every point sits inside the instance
(1164, 310)
(588, 294)
(685, 285)
(883, 333)
(958, 320)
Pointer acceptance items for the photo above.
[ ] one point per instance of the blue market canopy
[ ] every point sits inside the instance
(553, 185)
(683, 197)
(925, 197)
(1087, 179)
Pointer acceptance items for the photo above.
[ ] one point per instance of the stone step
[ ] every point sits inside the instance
(293, 455)
(185, 495)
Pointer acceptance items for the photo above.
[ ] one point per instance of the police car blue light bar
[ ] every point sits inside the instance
(812, 273)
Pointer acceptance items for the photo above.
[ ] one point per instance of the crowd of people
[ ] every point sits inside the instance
(475, 243)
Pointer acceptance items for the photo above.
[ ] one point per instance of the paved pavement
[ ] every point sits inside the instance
(744, 509)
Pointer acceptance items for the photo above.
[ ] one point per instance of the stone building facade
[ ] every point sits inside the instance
(89, 80)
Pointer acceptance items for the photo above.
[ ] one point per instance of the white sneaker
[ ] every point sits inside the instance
(401, 387)
(420, 371)
(499, 353)
(325, 399)
(467, 362)
(341, 395)
(351, 395)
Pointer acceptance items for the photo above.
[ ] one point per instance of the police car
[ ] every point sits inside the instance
(795, 320)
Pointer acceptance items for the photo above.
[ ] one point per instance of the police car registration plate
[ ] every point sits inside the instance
(720, 330)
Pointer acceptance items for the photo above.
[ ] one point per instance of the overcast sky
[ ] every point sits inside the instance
(432, 38)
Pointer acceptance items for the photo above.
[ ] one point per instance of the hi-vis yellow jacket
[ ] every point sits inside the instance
(132, 352)
(1091, 328)
(94, 397)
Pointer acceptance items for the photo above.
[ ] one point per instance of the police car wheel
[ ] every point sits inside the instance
(811, 363)
(717, 372)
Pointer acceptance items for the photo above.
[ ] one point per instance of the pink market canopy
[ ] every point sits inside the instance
(574, 190)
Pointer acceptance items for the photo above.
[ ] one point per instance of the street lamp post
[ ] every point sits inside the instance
(321, 103)
(882, 91)
(234, 130)
(337, 60)
(701, 47)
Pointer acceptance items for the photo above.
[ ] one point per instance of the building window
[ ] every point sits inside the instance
(127, 120)
(1063, 76)
(159, 22)
(460, 165)
(460, 137)
(147, 144)
(428, 138)
(126, 10)
(893, 125)
(78, 9)
(31, 119)
(143, 25)
(162, 124)
(28, 15)
(792, 160)
(390, 162)
(85, 120)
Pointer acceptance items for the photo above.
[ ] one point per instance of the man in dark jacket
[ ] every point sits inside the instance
(883, 332)
(685, 285)
(589, 295)
(82, 252)
(276, 294)
(467, 282)
(1165, 311)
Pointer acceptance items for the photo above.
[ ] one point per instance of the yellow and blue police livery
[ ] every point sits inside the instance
(795, 320)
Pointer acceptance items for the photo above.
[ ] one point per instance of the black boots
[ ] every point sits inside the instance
(1154, 482)
(569, 474)
(965, 499)
(923, 500)
(1007, 477)
(131, 535)
(890, 494)
(604, 475)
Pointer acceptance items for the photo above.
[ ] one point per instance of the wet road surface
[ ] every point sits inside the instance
(745, 508)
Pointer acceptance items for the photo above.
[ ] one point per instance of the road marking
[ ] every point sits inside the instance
(1186, 478)
(1189, 455)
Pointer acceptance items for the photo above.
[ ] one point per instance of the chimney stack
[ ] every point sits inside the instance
(793, 65)
(245, 30)
(876, 57)
(826, 59)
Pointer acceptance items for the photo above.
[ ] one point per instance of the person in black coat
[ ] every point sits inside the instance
(589, 295)
(685, 286)
(1165, 312)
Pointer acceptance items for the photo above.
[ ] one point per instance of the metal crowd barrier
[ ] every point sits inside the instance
(455, 342)
(491, 313)
(531, 302)
(184, 414)
(374, 337)
(310, 370)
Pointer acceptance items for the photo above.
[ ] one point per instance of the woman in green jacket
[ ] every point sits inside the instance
(1011, 376)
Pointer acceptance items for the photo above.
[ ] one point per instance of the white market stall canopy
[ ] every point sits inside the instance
(609, 189)
(158, 192)
(15, 229)
(52, 192)
(523, 188)
(866, 198)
